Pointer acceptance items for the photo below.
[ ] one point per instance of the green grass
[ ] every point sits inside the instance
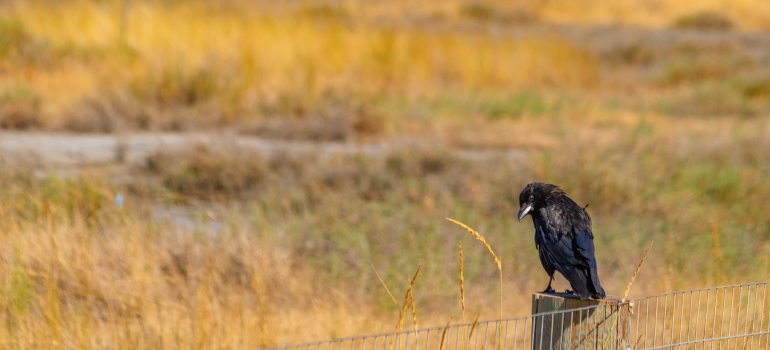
(526, 103)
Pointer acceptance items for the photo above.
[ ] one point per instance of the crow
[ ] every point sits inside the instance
(563, 238)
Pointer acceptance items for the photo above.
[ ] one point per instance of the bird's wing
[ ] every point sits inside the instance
(563, 250)
(564, 258)
(540, 237)
(557, 241)
(584, 245)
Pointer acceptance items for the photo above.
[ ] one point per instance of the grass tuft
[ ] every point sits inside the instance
(407, 298)
(209, 172)
(478, 11)
(705, 20)
(20, 109)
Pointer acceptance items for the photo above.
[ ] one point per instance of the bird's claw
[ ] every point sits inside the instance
(549, 290)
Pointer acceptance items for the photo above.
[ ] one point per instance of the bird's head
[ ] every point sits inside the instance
(535, 196)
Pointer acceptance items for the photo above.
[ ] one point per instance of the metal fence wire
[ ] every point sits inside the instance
(727, 317)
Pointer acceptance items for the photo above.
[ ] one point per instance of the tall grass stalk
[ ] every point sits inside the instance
(479, 237)
(636, 272)
(383, 284)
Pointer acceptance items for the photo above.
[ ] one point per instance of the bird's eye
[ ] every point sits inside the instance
(531, 198)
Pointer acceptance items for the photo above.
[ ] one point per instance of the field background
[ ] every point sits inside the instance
(381, 119)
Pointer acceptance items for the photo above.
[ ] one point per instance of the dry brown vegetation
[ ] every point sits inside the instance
(220, 246)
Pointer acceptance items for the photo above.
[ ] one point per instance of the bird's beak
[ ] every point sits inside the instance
(524, 211)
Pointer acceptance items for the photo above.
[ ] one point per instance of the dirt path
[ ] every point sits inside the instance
(73, 150)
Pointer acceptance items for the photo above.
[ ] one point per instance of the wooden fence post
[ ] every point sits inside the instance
(607, 326)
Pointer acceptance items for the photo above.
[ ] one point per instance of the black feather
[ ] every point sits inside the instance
(563, 238)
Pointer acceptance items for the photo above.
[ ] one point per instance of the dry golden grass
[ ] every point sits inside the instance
(252, 61)
(146, 291)
(443, 333)
(414, 311)
(392, 68)
(473, 327)
(407, 298)
(479, 237)
(383, 284)
(636, 272)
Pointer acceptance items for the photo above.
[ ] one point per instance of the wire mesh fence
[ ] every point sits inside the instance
(727, 317)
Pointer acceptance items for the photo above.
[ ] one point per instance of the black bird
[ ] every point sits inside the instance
(563, 238)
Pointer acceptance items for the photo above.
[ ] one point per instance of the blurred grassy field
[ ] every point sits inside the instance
(663, 134)
(380, 69)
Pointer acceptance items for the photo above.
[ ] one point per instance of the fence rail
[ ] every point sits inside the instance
(727, 317)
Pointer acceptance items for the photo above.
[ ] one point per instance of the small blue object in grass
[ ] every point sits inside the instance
(119, 200)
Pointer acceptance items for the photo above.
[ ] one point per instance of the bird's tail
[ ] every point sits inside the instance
(578, 281)
(594, 285)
